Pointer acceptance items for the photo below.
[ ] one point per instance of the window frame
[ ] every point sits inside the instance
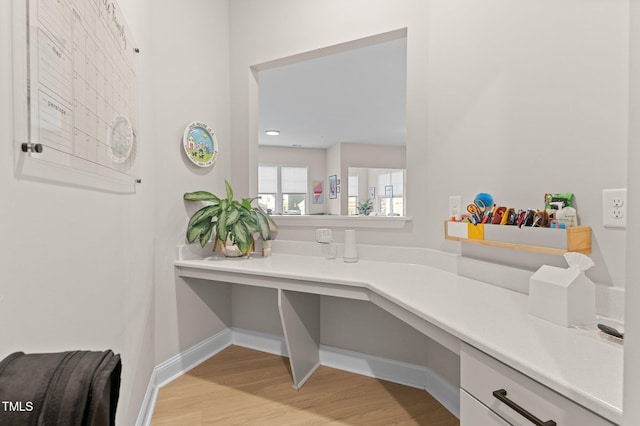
(279, 195)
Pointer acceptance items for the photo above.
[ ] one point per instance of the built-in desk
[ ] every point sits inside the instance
(445, 306)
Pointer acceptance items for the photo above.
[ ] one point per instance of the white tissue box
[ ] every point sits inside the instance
(563, 296)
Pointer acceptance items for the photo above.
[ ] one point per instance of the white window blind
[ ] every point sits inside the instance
(353, 186)
(294, 180)
(394, 178)
(397, 180)
(383, 180)
(267, 179)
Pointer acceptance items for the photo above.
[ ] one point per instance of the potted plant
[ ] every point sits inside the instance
(365, 207)
(234, 222)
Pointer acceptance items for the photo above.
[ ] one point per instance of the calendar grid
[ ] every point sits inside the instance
(82, 83)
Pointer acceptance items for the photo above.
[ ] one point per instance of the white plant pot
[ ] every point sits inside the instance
(229, 249)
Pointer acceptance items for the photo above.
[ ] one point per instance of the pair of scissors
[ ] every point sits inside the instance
(488, 216)
(477, 210)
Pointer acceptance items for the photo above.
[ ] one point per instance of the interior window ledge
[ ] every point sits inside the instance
(338, 221)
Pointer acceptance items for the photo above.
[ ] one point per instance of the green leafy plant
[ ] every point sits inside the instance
(227, 220)
(365, 207)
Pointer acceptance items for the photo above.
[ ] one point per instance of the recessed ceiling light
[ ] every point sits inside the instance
(273, 132)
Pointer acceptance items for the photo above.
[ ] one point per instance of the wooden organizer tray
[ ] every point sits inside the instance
(540, 240)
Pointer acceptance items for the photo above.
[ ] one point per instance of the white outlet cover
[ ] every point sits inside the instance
(455, 206)
(614, 208)
(324, 235)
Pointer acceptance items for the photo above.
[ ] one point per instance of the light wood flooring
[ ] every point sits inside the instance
(240, 386)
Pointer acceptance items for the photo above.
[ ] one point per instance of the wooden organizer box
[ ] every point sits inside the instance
(540, 240)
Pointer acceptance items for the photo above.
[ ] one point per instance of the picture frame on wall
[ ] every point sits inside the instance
(372, 192)
(318, 192)
(333, 186)
(388, 191)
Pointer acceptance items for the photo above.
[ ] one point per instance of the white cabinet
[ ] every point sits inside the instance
(513, 397)
(475, 413)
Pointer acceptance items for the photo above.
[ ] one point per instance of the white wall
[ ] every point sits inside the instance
(372, 156)
(632, 313)
(524, 115)
(358, 325)
(80, 271)
(487, 101)
(190, 78)
(76, 264)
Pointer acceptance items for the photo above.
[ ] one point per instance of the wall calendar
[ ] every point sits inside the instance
(81, 85)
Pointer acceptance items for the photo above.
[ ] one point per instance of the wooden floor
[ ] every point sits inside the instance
(240, 386)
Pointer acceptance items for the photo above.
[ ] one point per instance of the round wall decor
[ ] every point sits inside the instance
(120, 139)
(200, 144)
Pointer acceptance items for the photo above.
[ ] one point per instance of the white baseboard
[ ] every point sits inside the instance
(149, 402)
(413, 375)
(176, 366)
(372, 366)
(179, 364)
(264, 342)
(417, 376)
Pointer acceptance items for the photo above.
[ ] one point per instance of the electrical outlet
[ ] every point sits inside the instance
(614, 208)
(455, 207)
(323, 235)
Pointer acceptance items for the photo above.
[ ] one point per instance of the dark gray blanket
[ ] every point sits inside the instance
(75, 388)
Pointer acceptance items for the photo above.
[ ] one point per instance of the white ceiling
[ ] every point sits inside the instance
(357, 96)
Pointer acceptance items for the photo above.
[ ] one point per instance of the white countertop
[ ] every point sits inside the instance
(575, 363)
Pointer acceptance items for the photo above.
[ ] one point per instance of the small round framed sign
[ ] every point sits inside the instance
(120, 139)
(200, 144)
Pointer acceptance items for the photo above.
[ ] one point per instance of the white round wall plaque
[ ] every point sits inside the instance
(120, 139)
(200, 144)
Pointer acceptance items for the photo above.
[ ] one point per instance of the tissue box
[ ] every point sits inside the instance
(563, 296)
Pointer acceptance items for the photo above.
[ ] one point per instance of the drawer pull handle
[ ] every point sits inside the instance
(501, 395)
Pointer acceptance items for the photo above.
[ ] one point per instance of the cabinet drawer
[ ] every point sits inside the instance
(473, 413)
(481, 375)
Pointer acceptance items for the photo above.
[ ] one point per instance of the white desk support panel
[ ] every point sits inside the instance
(300, 315)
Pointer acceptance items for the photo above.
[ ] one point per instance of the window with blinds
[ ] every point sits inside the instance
(390, 186)
(283, 189)
(352, 199)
